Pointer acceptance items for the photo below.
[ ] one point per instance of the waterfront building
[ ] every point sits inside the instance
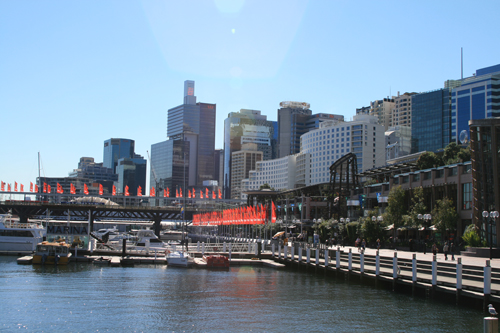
(169, 168)
(477, 97)
(132, 173)
(243, 161)
(397, 142)
(194, 123)
(280, 174)
(485, 157)
(114, 149)
(431, 120)
(246, 127)
(363, 136)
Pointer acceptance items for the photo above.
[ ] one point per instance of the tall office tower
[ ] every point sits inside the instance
(478, 97)
(382, 109)
(246, 127)
(243, 161)
(132, 173)
(292, 119)
(431, 120)
(401, 114)
(219, 166)
(190, 146)
(114, 149)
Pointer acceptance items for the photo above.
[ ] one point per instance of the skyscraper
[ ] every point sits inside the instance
(114, 149)
(292, 119)
(190, 146)
(246, 127)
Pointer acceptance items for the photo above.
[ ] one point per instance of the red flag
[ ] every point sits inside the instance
(176, 193)
(114, 190)
(2, 186)
(59, 189)
(220, 194)
(126, 191)
(22, 188)
(152, 192)
(206, 193)
(164, 193)
(193, 193)
(139, 191)
(168, 192)
(201, 194)
(72, 189)
(44, 187)
(8, 188)
(85, 189)
(101, 189)
(15, 186)
(273, 212)
(31, 187)
(213, 194)
(48, 189)
(189, 193)
(36, 188)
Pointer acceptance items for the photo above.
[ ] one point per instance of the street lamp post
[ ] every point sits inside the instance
(492, 215)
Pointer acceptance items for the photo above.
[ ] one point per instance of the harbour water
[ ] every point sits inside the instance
(82, 297)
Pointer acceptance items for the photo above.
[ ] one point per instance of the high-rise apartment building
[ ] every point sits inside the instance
(431, 120)
(401, 114)
(246, 127)
(243, 161)
(477, 97)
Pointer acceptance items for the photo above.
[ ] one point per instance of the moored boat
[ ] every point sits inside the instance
(19, 238)
(52, 253)
(179, 258)
(216, 261)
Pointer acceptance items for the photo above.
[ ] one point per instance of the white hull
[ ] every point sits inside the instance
(14, 245)
(179, 259)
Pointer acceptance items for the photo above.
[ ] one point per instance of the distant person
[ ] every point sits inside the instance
(434, 249)
(378, 243)
(363, 245)
(445, 250)
(452, 251)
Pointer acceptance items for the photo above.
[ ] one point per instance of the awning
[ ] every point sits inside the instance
(279, 234)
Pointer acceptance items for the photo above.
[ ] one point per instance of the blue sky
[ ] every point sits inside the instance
(75, 73)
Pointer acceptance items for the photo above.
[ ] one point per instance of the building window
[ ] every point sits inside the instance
(467, 196)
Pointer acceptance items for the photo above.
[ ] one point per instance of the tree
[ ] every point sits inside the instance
(371, 230)
(428, 160)
(451, 153)
(417, 207)
(396, 208)
(264, 186)
(445, 215)
(464, 154)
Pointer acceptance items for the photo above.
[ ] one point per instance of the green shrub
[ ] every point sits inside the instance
(471, 237)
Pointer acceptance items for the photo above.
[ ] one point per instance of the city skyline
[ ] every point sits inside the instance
(79, 73)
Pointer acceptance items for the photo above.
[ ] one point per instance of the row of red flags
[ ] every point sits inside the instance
(152, 192)
(241, 215)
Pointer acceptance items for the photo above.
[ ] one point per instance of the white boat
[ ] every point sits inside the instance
(179, 258)
(146, 236)
(19, 238)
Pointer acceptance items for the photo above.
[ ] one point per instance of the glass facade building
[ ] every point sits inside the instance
(114, 149)
(132, 173)
(431, 120)
(477, 97)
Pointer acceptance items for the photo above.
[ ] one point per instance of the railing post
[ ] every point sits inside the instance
(337, 258)
(326, 257)
(308, 253)
(230, 247)
(285, 252)
(395, 266)
(487, 283)
(362, 261)
(316, 252)
(300, 253)
(224, 247)
(434, 271)
(249, 247)
(279, 251)
(349, 267)
(272, 249)
(256, 249)
(198, 246)
(377, 264)
(203, 249)
(292, 253)
(414, 268)
(459, 278)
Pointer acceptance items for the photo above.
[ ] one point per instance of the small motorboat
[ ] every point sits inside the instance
(178, 258)
(102, 261)
(52, 253)
(216, 261)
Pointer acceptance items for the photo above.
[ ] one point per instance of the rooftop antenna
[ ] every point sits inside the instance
(462, 62)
